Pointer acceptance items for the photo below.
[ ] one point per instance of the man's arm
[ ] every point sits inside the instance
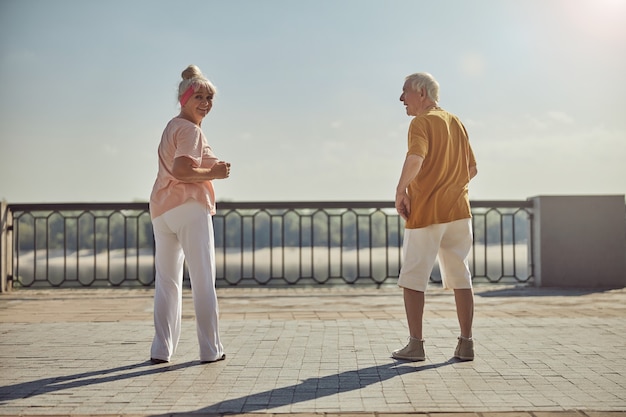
(473, 171)
(412, 166)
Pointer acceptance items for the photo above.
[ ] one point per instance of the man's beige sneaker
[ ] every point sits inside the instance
(464, 349)
(414, 351)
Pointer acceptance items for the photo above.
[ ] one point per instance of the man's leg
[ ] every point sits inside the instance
(464, 299)
(465, 312)
(455, 273)
(419, 254)
(414, 307)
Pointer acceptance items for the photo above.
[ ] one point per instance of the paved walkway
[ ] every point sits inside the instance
(316, 352)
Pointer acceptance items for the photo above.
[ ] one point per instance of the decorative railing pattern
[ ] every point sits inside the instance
(264, 243)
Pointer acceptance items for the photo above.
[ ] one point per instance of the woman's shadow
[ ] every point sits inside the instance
(59, 383)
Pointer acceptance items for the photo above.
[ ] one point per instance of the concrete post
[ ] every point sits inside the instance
(6, 242)
(579, 241)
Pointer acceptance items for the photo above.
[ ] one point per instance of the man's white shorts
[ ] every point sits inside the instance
(451, 241)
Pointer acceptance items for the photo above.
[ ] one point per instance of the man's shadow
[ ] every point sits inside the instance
(59, 383)
(313, 388)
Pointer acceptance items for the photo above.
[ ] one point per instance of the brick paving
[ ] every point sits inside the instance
(313, 352)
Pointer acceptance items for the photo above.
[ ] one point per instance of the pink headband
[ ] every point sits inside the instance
(186, 95)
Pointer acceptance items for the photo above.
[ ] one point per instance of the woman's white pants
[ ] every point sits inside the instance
(185, 233)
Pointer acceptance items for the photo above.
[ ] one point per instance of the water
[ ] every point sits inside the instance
(273, 266)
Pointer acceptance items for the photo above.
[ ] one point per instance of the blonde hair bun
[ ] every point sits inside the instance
(192, 71)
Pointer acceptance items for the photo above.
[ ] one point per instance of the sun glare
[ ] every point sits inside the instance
(598, 18)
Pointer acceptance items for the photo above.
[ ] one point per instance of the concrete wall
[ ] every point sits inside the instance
(579, 241)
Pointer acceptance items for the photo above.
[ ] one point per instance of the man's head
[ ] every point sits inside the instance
(419, 93)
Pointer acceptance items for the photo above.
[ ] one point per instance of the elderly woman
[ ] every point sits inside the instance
(181, 207)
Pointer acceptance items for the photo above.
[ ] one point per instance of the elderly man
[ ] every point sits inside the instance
(432, 198)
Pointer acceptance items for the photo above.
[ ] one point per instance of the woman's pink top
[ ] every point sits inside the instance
(182, 138)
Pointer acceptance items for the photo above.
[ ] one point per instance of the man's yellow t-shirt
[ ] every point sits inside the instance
(439, 192)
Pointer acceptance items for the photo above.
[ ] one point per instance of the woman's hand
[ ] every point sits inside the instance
(220, 170)
(184, 171)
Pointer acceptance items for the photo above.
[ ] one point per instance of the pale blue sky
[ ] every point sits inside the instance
(307, 105)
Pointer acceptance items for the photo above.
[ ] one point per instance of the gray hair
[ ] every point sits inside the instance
(426, 81)
(192, 77)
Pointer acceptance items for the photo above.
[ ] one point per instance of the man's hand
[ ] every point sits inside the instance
(403, 204)
(410, 169)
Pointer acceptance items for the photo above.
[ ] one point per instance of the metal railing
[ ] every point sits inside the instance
(264, 243)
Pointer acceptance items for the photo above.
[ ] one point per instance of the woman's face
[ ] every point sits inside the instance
(198, 105)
